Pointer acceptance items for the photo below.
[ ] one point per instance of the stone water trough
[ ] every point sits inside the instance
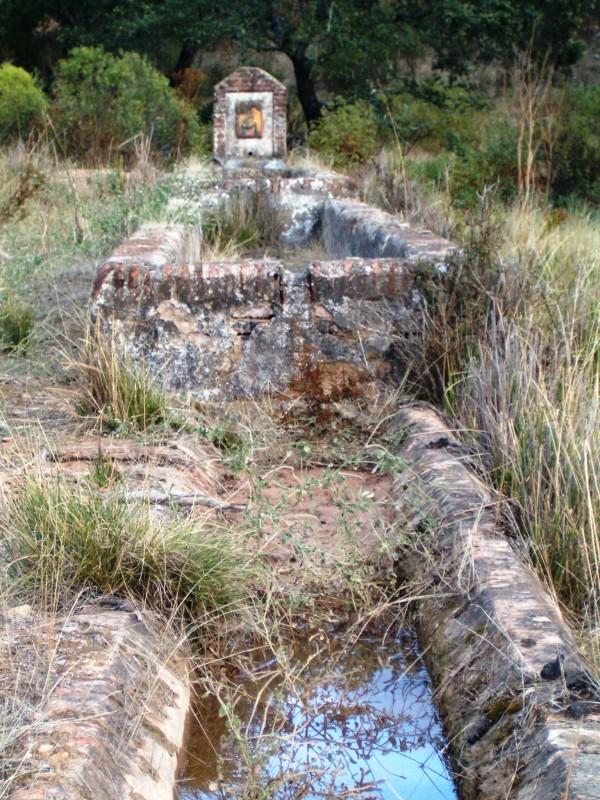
(223, 329)
(520, 707)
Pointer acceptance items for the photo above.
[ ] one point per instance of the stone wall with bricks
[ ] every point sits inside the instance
(221, 330)
(250, 117)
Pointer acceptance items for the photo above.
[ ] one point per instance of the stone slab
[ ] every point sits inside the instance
(114, 721)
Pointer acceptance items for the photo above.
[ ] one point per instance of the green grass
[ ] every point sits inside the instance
(68, 217)
(16, 326)
(62, 539)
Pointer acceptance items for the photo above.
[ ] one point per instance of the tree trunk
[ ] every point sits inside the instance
(307, 94)
(186, 56)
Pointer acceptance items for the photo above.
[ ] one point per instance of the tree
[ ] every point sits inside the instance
(464, 32)
(350, 45)
(351, 42)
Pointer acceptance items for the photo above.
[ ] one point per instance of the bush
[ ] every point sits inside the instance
(347, 133)
(433, 115)
(22, 104)
(491, 163)
(577, 154)
(105, 103)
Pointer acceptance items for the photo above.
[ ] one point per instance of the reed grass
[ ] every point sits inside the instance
(529, 389)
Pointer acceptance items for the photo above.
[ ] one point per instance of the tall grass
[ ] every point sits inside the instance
(120, 393)
(56, 217)
(529, 388)
(247, 223)
(511, 347)
(60, 539)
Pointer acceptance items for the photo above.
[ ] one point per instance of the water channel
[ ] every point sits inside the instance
(352, 719)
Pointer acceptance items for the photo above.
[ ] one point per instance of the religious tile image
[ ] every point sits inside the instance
(249, 122)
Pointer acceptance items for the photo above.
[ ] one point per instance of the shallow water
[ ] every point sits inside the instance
(356, 721)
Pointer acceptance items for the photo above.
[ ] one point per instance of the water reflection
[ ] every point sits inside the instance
(356, 721)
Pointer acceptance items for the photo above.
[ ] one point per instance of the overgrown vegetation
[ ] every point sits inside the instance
(249, 223)
(347, 134)
(104, 104)
(22, 104)
(122, 394)
(509, 168)
(55, 221)
(527, 384)
(60, 540)
(511, 348)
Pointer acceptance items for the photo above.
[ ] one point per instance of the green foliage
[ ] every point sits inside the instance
(463, 33)
(347, 46)
(60, 539)
(472, 163)
(432, 115)
(471, 146)
(22, 104)
(577, 155)
(106, 103)
(347, 133)
(16, 326)
(492, 162)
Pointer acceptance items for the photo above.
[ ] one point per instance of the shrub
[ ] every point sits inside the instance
(493, 162)
(577, 154)
(105, 102)
(433, 115)
(22, 104)
(347, 133)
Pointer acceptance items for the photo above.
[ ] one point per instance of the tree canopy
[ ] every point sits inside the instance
(348, 45)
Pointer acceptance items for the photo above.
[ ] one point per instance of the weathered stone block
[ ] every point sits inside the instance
(114, 723)
(235, 329)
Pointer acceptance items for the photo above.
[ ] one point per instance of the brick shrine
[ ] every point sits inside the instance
(250, 119)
